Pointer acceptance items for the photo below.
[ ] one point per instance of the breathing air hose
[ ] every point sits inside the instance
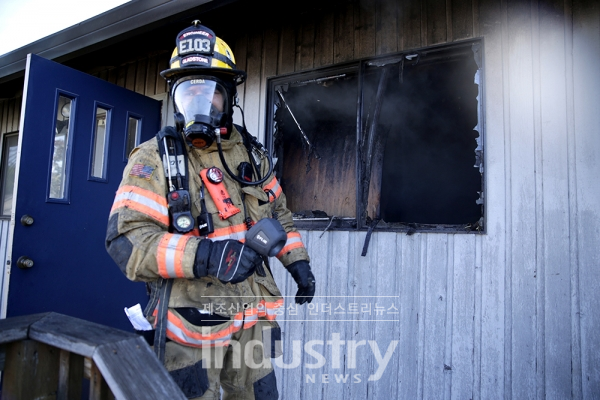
(234, 176)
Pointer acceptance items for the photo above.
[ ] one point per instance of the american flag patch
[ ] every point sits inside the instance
(141, 171)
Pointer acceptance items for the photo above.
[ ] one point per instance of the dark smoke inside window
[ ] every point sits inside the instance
(429, 174)
(326, 113)
(416, 149)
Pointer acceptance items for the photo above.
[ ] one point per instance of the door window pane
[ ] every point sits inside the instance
(58, 177)
(100, 135)
(9, 163)
(133, 127)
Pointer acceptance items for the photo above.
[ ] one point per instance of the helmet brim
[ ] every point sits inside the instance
(172, 74)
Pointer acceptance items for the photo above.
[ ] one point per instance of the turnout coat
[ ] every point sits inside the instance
(145, 248)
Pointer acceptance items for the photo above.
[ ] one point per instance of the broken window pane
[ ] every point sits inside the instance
(399, 142)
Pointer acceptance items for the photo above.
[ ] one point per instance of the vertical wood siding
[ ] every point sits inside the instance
(512, 313)
(508, 314)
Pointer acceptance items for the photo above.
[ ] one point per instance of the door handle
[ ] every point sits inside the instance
(24, 262)
(26, 220)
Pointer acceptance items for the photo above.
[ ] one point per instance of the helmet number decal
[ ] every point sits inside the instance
(194, 45)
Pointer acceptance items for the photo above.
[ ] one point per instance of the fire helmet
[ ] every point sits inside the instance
(202, 63)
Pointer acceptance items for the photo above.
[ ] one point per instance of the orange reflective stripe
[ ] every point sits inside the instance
(267, 309)
(294, 241)
(177, 331)
(275, 188)
(170, 255)
(143, 201)
(236, 232)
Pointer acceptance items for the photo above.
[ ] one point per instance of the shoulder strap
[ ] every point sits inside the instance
(174, 156)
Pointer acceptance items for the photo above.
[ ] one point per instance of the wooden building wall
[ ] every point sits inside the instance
(511, 313)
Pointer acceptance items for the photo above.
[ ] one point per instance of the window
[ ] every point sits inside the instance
(394, 142)
(100, 143)
(9, 164)
(61, 150)
(134, 126)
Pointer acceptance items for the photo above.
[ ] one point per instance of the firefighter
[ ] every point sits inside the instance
(178, 223)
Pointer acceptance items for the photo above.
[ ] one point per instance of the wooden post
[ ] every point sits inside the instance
(70, 376)
(31, 371)
(99, 389)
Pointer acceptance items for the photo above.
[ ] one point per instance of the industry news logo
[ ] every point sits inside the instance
(330, 340)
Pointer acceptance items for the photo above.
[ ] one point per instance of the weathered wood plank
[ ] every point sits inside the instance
(359, 361)
(410, 17)
(317, 324)
(324, 38)
(338, 288)
(461, 22)
(130, 75)
(364, 33)
(17, 328)
(287, 48)
(494, 243)
(121, 75)
(99, 389)
(70, 376)
(387, 25)
(585, 192)
(162, 64)
(74, 334)
(305, 48)
(112, 75)
(522, 322)
(554, 193)
(435, 307)
(240, 49)
(387, 328)
(140, 75)
(463, 317)
(151, 76)
(436, 28)
(343, 35)
(3, 115)
(253, 85)
(31, 371)
(13, 116)
(410, 316)
(120, 364)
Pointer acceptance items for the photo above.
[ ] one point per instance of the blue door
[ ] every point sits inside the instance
(76, 134)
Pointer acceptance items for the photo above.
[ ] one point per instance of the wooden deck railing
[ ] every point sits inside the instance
(45, 357)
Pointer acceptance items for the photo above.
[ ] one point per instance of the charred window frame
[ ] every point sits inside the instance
(391, 143)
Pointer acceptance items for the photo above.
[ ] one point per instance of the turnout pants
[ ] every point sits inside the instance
(243, 369)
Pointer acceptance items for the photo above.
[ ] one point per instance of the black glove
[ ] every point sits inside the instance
(305, 279)
(228, 260)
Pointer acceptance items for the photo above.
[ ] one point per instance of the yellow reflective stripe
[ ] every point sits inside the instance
(143, 201)
(170, 255)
